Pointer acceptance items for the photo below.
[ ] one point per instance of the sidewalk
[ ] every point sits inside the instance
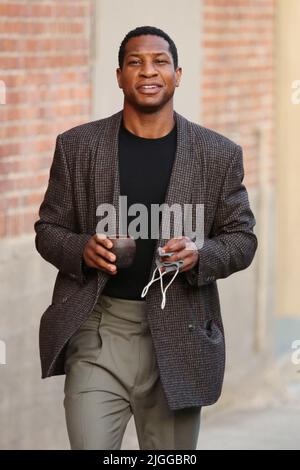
(262, 429)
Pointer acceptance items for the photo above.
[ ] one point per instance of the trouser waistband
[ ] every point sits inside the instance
(131, 310)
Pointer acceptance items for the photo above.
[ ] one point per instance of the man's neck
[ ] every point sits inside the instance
(149, 125)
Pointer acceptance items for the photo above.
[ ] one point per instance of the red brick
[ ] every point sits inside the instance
(46, 68)
(238, 73)
(40, 10)
(43, 45)
(31, 28)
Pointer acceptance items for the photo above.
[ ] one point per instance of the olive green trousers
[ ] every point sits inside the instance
(112, 374)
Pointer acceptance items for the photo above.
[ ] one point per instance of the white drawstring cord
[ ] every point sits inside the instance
(163, 303)
(145, 290)
(163, 291)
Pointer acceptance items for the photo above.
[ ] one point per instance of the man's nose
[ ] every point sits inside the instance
(148, 70)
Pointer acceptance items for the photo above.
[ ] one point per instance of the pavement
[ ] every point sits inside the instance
(271, 428)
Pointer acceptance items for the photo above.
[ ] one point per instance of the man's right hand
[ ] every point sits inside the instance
(97, 254)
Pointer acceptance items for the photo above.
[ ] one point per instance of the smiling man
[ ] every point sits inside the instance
(122, 350)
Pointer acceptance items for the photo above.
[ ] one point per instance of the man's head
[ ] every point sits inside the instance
(148, 68)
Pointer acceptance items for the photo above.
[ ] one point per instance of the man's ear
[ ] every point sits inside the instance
(178, 75)
(119, 77)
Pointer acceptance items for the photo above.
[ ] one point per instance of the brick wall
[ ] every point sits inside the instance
(238, 76)
(45, 66)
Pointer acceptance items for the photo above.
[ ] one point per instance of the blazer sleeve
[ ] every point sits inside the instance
(56, 239)
(232, 244)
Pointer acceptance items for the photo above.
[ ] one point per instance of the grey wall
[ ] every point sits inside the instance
(31, 409)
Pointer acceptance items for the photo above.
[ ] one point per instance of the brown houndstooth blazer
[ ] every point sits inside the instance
(188, 334)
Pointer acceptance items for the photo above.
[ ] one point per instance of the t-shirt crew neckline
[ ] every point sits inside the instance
(147, 139)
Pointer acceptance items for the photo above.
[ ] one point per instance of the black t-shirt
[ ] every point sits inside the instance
(145, 167)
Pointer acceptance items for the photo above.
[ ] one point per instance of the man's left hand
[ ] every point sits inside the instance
(184, 249)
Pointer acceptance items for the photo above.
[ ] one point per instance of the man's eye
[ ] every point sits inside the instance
(161, 61)
(134, 62)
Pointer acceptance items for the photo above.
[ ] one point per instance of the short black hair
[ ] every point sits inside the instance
(140, 31)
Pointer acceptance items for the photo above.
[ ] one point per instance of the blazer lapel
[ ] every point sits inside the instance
(107, 180)
(180, 184)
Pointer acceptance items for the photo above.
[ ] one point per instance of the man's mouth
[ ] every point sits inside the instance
(149, 89)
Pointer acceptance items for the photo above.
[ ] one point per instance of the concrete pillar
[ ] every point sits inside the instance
(287, 154)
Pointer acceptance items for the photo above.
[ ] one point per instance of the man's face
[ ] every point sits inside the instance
(148, 78)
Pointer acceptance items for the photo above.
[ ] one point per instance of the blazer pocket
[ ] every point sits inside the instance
(212, 331)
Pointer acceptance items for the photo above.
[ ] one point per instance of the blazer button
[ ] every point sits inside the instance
(191, 327)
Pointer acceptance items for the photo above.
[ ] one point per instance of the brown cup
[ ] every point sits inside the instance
(124, 247)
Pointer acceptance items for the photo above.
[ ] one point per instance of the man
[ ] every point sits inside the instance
(122, 353)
